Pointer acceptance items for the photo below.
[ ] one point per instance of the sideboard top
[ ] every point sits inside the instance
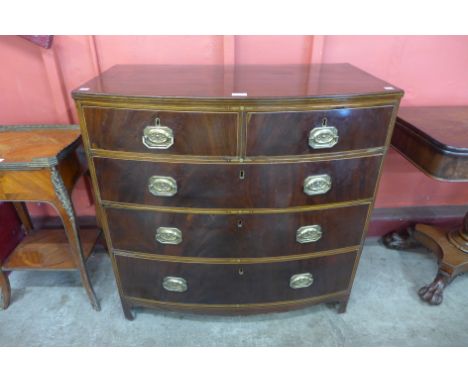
(234, 82)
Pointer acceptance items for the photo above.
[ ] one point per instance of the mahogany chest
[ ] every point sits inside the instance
(235, 189)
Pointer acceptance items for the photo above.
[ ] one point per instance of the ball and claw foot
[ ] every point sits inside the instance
(403, 239)
(433, 293)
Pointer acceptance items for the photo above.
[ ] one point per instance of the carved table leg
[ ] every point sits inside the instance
(401, 240)
(6, 291)
(452, 259)
(65, 209)
(459, 237)
(433, 293)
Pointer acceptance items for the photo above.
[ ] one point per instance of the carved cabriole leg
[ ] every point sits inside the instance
(452, 261)
(65, 209)
(6, 291)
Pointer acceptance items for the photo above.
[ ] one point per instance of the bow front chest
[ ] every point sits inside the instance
(235, 189)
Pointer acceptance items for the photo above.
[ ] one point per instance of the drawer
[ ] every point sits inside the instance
(234, 284)
(313, 132)
(170, 132)
(278, 185)
(231, 236)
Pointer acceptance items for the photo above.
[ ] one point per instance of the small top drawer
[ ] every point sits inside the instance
(313, 132)
(162, 132)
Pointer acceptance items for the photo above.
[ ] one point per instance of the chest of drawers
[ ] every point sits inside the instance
(235, 189)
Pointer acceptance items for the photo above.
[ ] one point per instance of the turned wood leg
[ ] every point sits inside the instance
(65, 209)
(23, 214)
(459, 237)
(401, 240)
(6, 290)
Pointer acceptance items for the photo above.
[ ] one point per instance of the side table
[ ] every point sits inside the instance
(435, 139)
(39, 163)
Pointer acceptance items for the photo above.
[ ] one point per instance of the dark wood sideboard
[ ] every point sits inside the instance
(235, 189)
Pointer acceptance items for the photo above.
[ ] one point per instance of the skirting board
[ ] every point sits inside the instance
(384, 220)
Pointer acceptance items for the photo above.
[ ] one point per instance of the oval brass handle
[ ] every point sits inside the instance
(317, 184)
(158, 137)
(323, 137)
(309, 234)
(175, 284)
(301, 280)
(168, 235)
(162, 185)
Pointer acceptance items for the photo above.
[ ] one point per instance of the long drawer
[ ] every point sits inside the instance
(312, 132)
(234, 284)
(162, 132)
(231, 236)
(278, 185)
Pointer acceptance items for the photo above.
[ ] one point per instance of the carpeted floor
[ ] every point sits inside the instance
(51, 309)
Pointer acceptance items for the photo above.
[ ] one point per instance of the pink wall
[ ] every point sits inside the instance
(35, 83)
(433, 71)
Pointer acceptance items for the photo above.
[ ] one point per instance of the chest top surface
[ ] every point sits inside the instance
(444, 126)
(234, 82)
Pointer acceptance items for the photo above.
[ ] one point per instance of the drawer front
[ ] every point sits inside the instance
(231, 236)
(278, 185)
(170, 132)
(234, 284)
(313, 132)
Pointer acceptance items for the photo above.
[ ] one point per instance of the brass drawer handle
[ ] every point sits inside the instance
(174, 284)
(323, 137)
(162, 185)
(301, 280)
(169, 235)
(309, 234)
(158, 137)
(317, 184)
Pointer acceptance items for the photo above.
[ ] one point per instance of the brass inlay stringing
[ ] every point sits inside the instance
(232, 260)
(158, 137)
(234, 211)
(301, 280)
(162, 185)
(309, 234)
(317, 184)
(175, 284)
(214, 307)
(234, 160)
(169, 235)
